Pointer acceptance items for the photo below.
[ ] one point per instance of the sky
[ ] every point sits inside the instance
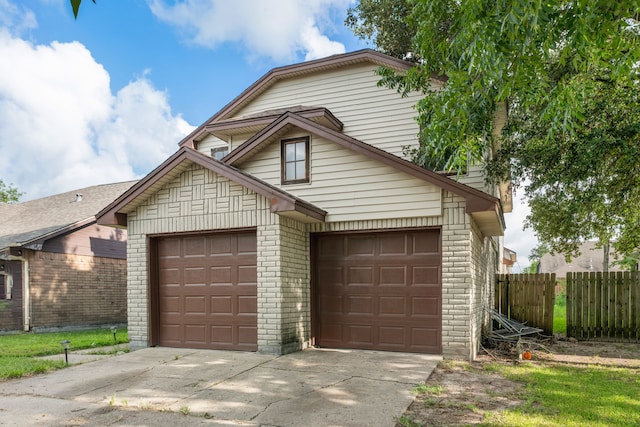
(107, 97)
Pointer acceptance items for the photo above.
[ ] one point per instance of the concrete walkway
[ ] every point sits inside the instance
(182, 387)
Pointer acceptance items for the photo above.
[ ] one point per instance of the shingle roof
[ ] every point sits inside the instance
(28, 221)
(590, 259)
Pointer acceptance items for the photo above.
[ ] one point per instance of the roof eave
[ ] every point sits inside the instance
(281, 201)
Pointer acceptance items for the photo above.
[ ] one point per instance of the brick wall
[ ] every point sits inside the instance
(296, 279)
(200, 200)
(484, 267)
(76, 290)
(456, 278)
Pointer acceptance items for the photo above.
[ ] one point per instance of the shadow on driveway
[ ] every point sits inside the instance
(180, 387)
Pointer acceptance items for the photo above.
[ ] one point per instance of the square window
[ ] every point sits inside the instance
(295, 160)
(219, 152)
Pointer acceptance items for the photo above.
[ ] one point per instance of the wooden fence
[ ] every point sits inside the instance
(527, 298)
(603, 306)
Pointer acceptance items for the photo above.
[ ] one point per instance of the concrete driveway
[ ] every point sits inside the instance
(182, 387)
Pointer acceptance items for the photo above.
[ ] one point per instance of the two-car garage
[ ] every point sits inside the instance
(371, 290)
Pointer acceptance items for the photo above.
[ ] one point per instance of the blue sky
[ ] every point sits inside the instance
(107, 97)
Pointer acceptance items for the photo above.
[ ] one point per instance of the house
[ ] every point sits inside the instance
(509, 258)
(292, 219)
(58, 268)
(589, 259)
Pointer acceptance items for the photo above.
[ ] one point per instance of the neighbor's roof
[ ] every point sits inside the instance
(26, 222)
(589, 259)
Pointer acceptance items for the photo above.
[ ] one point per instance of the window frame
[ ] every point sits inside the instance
(283, 161)
(221, 149)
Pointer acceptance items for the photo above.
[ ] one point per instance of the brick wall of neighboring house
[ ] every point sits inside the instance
(11, 309)
(76, 290)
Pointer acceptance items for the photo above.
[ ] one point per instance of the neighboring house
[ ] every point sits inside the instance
(291, 219)
(509, 258)
(58, 268)
(590, 259)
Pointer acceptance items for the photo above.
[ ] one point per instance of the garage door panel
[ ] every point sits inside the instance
(220, 275)
(247, 244)
(393, 244)
(247, 274)
(208, 295)
(222, 245)
(392, 286)
(332, 275)
(195, 334)
(331, 246)
(392, 336)
(195, 275)
(170, 276)
(393, 275)
(221, 304)
(221, 334)
(359, 305)
(427, 339)
(247, 304)
(395, 305)
(426, 244)
(169, 248)
(361, 334)
(247, 335)
(171, 304)
(194, 247)
(331, 304)
(421, 275)
(362, 274)
(195, 304)
(424, 306)
(360, 246)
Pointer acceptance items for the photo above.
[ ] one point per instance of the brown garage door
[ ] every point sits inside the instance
(379, 291)
(207, 291)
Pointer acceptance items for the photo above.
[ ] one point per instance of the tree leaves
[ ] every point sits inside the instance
(75, 6)
(569, 72)
(9, 193)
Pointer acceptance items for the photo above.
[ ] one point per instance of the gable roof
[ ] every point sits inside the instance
(281, 202)
(476, 200)
(295, 70)
(29, 223)
(590, 258)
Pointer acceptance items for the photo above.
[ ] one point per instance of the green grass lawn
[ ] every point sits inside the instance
(565, 395)
(19, 352)
(560, 314)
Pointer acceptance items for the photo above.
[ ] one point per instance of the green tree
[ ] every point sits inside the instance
(8, 193)
(568, 72)
(75, 6)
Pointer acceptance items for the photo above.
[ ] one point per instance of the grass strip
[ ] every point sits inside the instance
(562, 395)
(19, 352)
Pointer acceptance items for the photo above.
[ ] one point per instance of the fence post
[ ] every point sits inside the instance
(570, 305)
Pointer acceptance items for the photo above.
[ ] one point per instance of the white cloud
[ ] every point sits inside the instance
(16, 18)
(516, 237)
(279, 29)
(61, 128)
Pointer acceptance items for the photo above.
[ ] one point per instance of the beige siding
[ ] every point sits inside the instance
(377, 116)
(351, 186)
(476, 178)
(210, 142)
